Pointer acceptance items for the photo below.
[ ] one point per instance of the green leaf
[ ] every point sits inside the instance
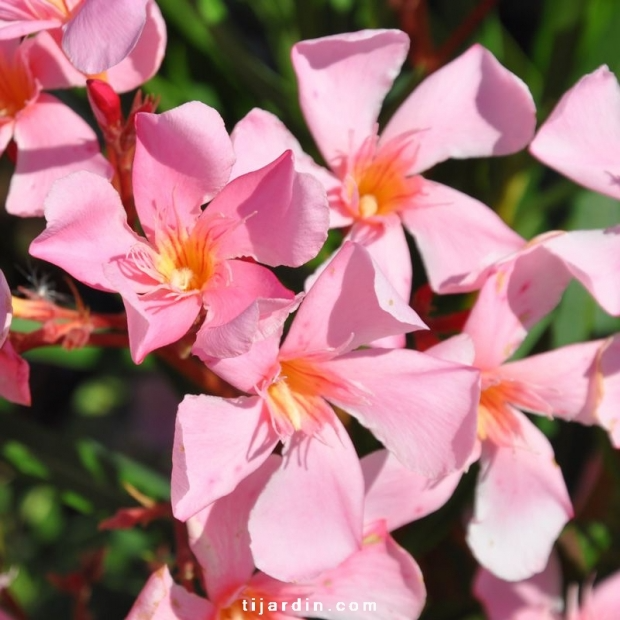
(574, 317)
(77, 502)
(594, 539)
(22, 458)
(341, 6)
(85, 358)
(81, 466)
(41, 510)
(212, 11)
(99, 396)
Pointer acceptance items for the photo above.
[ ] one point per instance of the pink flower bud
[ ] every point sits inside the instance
(105, 103)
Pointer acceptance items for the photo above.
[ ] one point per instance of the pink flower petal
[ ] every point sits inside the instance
(248, 370)
(260, 138)
(607, 413)
(250, 307)
(536, 598)
(52, 142)
(398, 495)
(343, 80)
(320, 482)
(154, 320)
(381, 581)
(422, 409)
(593, 258)
(521, 504)
(557, 382)
(14, 376)
(457, 235)
(258, 321)
(162, 599)
(527, 286)
(13, 30)
(49, 64)
(217, 443)
(219, 537)
(458, 349)
(6, 308)
(350, 304)
(145, 58)
(388, 247)
(102, 33)
(471, 107)
(183, 158)
(581, 137)
(284, 214)
(86, 228)
(53, 69)
(518, 295)
(605, 599)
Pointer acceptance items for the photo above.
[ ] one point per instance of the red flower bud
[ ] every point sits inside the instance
(105, 103)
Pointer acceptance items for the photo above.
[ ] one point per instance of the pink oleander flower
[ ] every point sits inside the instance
(533, 279)
(96, 34)
(472, 107)
(421, 408)
(581, 137)
(521, 501)
(540, 597)
(192, 263)
(52, 140)
(377, 571)
(137, 67)
(14, 371)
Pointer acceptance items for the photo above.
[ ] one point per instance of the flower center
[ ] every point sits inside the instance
(60, 6)
(377, 181)
(255, 608)
(296, 398)
(16, 85)
(496, 420)
(184, 261)
(234, 612)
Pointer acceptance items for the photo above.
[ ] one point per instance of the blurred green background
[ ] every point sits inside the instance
(98, 423)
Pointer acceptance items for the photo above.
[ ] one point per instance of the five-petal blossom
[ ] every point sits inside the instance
(421, 408)
(471, 107)
(521, 499)
(190, 259)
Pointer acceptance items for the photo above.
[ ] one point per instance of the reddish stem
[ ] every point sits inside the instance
(464, 30)
(414, 20)
(11, 605)
(76, 328)
(122, 162)
(194, 370)
(188, 569)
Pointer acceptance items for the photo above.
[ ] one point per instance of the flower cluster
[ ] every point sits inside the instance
(185, 222)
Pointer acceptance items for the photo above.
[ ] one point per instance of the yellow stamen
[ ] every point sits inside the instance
(368, 205)
(296, 398)
(16, 85)
(382, 177)
(184, 261)
(495, 419)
